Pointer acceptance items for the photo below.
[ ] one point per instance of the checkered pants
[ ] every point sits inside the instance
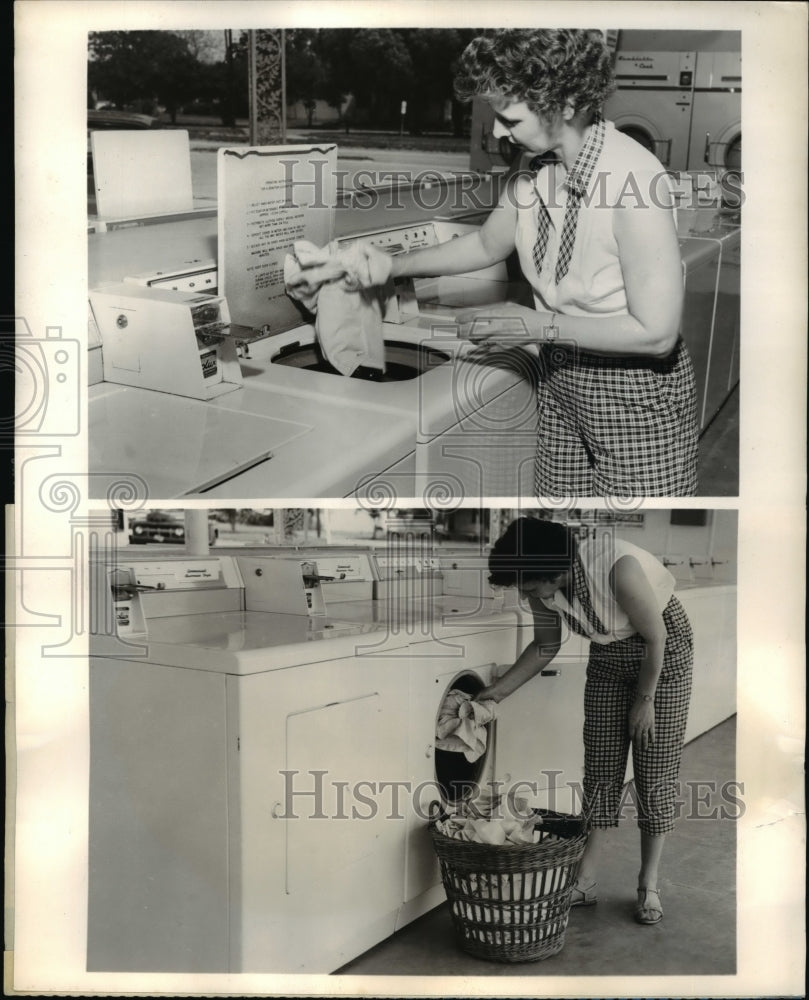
(612, 673)
(620, 426)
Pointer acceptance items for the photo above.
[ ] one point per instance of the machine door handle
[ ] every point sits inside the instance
(549, 673)
(707, 154)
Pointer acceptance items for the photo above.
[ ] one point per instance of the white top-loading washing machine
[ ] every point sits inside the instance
(223, 741)
(292, 427)
(254, 750)
(710, 323)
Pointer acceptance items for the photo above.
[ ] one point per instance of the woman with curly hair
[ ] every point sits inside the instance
(595, 233)
(638, 683)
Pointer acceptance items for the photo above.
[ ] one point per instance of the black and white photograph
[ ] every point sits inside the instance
(322, 742)
(406, 561)
(299, 257)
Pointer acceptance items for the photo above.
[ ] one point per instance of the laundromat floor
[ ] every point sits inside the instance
(696, 937)
(718, 466)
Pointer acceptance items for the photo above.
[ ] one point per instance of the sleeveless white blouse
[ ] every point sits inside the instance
(598, 556)
(625, 174)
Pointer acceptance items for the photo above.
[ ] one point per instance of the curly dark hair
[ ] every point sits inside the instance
(544, 67)
(531, 549)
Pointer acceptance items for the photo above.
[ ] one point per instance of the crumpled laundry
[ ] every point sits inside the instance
(343, 289)
(462, 724)
(482, 821)
(499, 832)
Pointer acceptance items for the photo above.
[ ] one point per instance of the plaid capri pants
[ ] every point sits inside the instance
(612, 673)
(615, 426)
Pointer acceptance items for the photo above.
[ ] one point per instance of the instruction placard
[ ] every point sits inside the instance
(270, 197)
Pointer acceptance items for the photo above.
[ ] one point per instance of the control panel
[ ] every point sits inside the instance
(393, 566)
(174, 575)
(395, 241)
(167, 581)
(336, 578)
(197, 275)
(658, 70)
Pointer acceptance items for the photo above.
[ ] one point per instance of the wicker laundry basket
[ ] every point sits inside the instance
(511, 903)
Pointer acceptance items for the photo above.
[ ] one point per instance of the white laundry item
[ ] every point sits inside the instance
(343, 289)
(461, 725)
(496, 832)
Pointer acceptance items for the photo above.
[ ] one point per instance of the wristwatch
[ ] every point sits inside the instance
(550, 331)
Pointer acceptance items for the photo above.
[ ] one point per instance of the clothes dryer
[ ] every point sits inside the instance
(716, 122)
(653, 101)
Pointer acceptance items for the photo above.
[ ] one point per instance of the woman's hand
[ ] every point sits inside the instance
(642, 723)
(490, 693)
(359, 266)
(365, 266)
(504, 323)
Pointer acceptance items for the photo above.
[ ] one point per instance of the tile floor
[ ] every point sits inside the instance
(696, 937)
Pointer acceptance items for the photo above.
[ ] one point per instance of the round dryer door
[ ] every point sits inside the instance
(724, 150)
(646, 134)
(725, 156)
(733, 153)
(640, 135)
(456, 777)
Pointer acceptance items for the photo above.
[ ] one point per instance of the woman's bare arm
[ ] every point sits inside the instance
(534, 658)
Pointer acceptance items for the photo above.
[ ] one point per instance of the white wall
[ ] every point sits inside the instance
(716, 539)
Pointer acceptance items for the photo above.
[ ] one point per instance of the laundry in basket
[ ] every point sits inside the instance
(511, 902)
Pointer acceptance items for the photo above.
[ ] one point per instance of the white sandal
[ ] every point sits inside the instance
(648, 910)
(583, 895)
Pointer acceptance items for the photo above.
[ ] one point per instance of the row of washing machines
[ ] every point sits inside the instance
(263, 750)
(685, 107)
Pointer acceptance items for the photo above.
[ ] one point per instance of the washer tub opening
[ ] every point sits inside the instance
(456, 777)
(403, 361)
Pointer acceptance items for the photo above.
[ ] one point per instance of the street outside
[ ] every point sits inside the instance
(361, 169)
(338, 526)
(358, 167)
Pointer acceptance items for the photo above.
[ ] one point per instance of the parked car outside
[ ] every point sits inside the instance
(163, 527)
(109, 119)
